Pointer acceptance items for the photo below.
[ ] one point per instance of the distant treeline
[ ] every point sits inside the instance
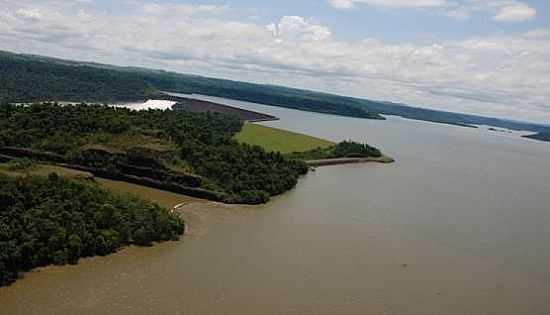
(57, 221)
(169, 149)
(25, 79)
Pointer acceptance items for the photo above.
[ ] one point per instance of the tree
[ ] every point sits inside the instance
(55, 221)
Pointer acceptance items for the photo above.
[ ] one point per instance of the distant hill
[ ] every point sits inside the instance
(26, 78)
(29, 77)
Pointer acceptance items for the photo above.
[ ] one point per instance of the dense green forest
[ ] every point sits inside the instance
(191, 153)
(26, 78)
(56, 221)
(344, 149)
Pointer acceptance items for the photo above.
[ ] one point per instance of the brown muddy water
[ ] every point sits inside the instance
(460, 224)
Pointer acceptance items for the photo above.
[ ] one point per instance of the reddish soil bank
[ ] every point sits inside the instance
(199, 106)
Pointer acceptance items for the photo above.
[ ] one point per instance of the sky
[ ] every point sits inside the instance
(488, 57)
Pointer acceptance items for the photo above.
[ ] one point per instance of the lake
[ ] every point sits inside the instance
(460, 224)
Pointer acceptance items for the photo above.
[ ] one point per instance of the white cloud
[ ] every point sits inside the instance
(181, 9)
(342, 4)
(515, 13)
(538, 33)
(504, 75)
(501, 10)
(346, 4)
(298, 28)
(30, 13)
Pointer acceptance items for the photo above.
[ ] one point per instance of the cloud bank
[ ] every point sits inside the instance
(504, 75)
(501, 10)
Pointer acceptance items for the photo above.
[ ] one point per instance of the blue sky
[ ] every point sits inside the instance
(389, 23)
(489, 57)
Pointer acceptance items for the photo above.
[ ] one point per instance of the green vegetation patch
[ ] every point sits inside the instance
(277, 140)
(53, 220)
(27, 79)
(344, 149)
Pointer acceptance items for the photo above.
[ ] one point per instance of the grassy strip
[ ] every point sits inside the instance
(163, 198)
(272, 139)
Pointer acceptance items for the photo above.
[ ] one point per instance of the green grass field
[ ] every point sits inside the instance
(272, 139)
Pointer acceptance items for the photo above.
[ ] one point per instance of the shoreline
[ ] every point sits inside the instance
(339, 161)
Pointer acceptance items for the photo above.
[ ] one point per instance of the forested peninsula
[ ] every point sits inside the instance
(56, 220)
(189, 153)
